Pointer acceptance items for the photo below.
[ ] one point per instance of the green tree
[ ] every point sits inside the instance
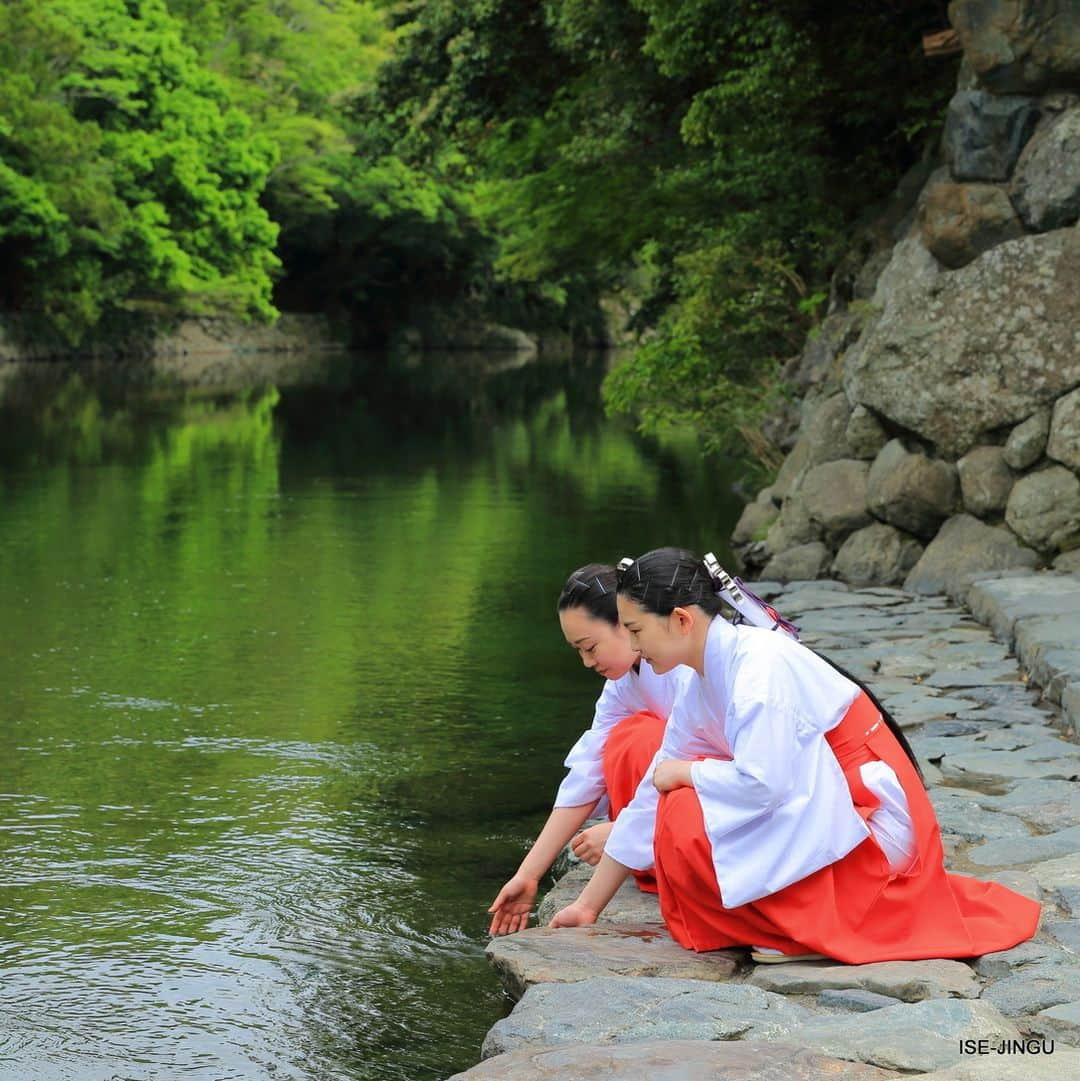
(706, 158)
(127, 180)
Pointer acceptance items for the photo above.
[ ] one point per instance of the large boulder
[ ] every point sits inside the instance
(834, 495)
(792, 468)
(815, 363)
(984, 133)
(880, 554)
(825, 427)
(793, 527)
(1027, 441)
(956, 354)
(1064, 442)
(911, 491)
(965, 546)
(1046, 185)
(865, 435)
(754, 523)
(985, 480)
(806, 562)
(1020, 46)
(961, 221)
(1044, 509)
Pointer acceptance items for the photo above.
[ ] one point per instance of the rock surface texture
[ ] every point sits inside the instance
(957, 354)
(964, 361)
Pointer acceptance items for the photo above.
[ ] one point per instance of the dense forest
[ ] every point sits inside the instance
(700, 163)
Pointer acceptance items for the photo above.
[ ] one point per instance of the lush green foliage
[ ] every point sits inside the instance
(127, 180)
(704, 161)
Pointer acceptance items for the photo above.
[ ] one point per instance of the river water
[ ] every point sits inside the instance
(283, 699)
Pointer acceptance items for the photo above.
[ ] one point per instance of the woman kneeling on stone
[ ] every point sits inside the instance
(611, 757)
(782, 811)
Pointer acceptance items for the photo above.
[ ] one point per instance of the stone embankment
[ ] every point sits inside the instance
(937, 430)
(621, 1001)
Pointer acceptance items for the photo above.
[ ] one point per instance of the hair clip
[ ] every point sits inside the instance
(624, 564)
(749, 607)
(671, 584)
(601, 585)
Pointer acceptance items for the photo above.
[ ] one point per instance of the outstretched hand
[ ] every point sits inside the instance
(511, 908)
(575, 915)
(588, 845)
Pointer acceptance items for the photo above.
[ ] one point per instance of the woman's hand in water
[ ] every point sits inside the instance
(511, 909)
(672, 774)
(588, 845)
(575, 915)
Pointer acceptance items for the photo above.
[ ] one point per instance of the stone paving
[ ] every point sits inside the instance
(996, 735)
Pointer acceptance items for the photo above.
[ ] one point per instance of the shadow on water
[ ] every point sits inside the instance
(283, 699)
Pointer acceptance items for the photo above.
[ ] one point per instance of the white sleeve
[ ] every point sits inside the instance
(631, 839)
(585, 781)
(761, 771)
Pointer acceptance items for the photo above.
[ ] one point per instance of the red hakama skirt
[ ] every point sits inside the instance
(855, 910)
(628, 752)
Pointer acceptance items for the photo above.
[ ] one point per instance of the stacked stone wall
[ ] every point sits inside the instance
(938, 432)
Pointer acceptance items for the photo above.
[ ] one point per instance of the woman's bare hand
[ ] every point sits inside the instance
(588, 845)
(511, 908)
(672, 774)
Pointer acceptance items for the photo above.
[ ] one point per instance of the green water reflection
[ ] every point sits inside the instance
(282, 699)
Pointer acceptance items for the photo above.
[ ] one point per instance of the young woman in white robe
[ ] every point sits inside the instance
(608, 761)
(782, 811)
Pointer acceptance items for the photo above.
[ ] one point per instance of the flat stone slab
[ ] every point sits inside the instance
(629, 905)
(1005, 766)
(854, 1001)
(963, 817)
(1009, 851)
(1059, 1022)
(999, 1064)
(1015, 879)
(928, 708)
(1065, 932)
(670, 1060)
(1049, 805)
(1057, 874)
(939, 729)
(1035, 987)
(1069, 899)
(951, 678)
(622, 1010)
(1006, 962)
(569, 954)
(1001, 602)
(1010, 695)
(908, 1036)
(909, 981)
(1033, 743)
(811, 600)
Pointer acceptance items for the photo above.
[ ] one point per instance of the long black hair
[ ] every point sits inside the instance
(668, 578)
(591, 587)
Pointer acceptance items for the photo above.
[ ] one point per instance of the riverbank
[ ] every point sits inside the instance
(997, 736)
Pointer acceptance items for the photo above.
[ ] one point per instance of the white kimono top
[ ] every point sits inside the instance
(632, 693)
(775, 803)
